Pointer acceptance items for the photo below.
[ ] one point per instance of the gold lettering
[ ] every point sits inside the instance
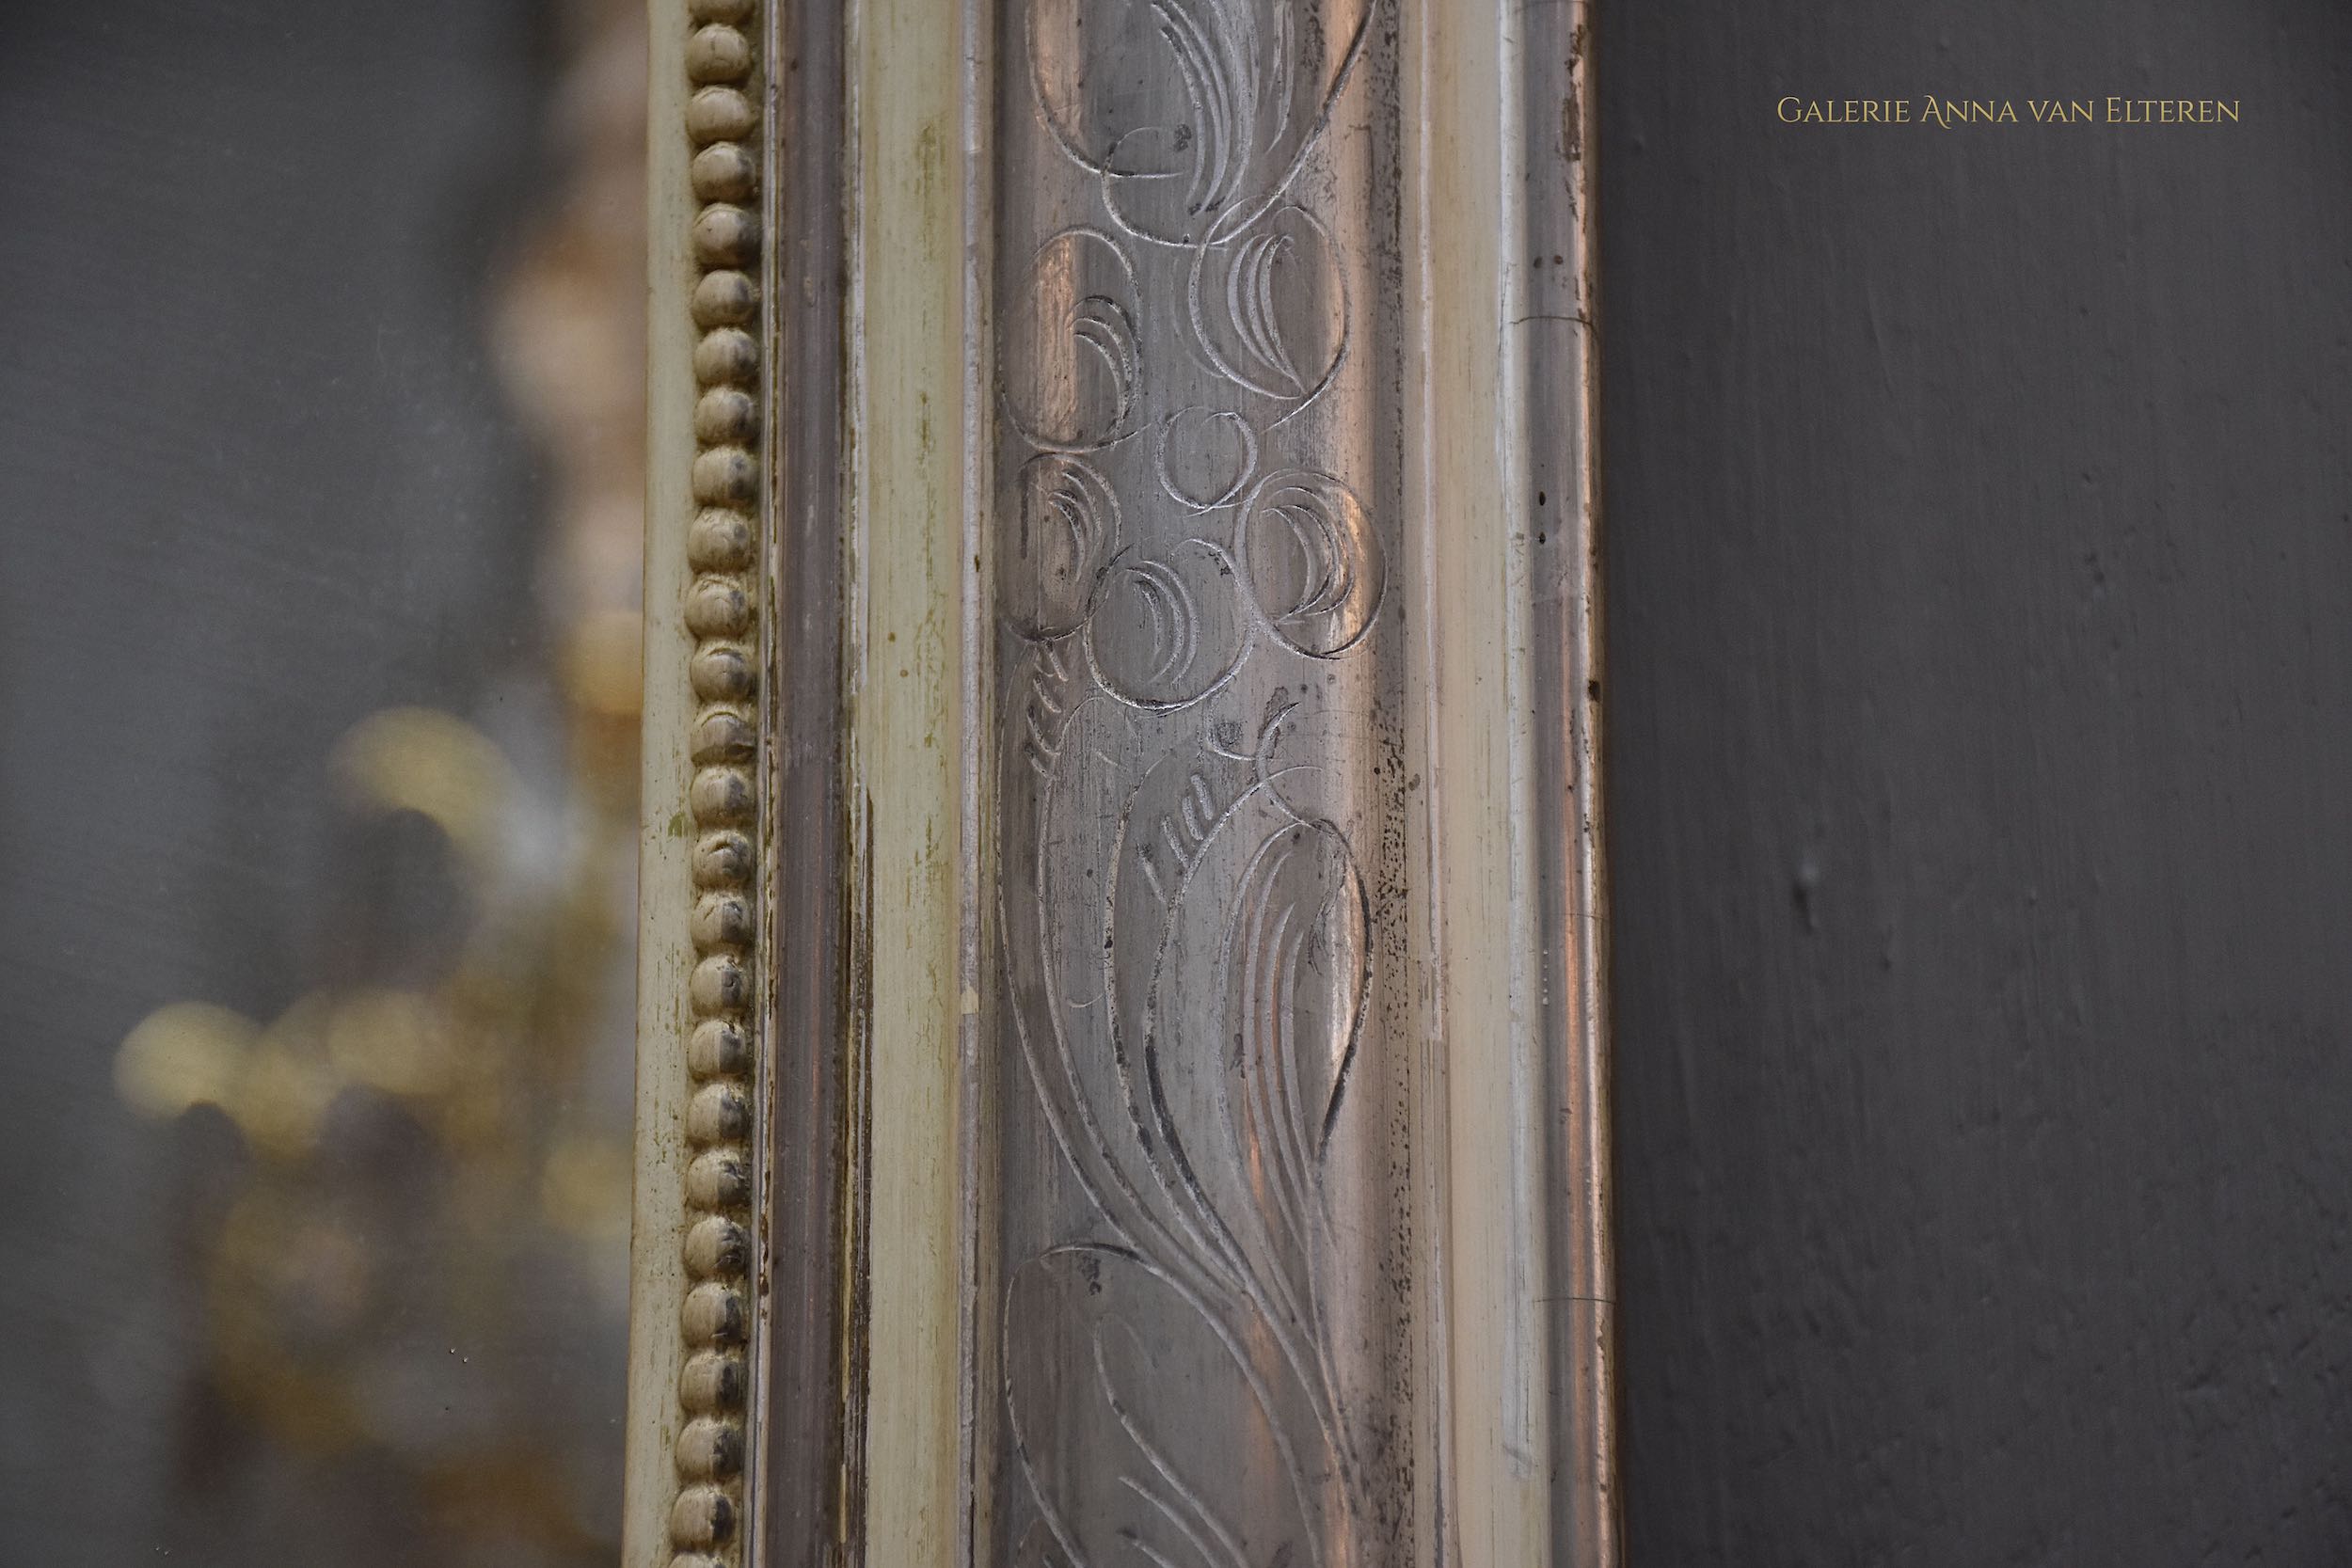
(1794, 109)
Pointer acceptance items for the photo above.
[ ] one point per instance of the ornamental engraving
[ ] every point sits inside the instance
(1199, 1300)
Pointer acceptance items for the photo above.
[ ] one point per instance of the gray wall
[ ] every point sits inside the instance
(1980, 510)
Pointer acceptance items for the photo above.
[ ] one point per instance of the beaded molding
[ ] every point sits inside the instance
(722, 613)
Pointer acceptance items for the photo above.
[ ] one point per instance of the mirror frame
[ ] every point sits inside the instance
(814, 1205)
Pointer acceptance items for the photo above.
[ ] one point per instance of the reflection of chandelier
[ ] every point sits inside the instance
(428, 1169)
(412, 1269)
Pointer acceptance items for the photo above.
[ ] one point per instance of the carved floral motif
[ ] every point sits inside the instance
(1188, 578)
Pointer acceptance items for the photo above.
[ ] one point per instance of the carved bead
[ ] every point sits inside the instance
(727, 414)
(719, 1113)
(720, 985)
(718, 1049)
(727, 356)
(725, 298)
(719, 672)
(722, 920)
(724, 735)
(721, 798)
(722, 860)
(716, 1247)
(723, 537)
(719, 1180)
(710, 1450)
(724, 172)
(725, 474)
(717, 608)
(721, 113)
(718, 53)
(710, 1382)
(725, 236)
(720, 541)
(713, 1315)
(702, 1516)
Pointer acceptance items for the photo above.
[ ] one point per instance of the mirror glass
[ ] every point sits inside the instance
(320, 534)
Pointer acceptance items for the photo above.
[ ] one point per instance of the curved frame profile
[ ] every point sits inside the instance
(1123, 1052)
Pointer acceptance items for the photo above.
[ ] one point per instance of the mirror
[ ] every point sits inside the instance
(320, 538)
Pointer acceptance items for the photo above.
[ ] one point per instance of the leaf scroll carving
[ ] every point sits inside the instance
(1192, 1334)
(1209, 103)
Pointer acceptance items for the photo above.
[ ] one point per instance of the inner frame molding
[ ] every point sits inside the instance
(1123, 1040)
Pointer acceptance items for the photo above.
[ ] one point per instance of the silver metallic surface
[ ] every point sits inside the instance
(1180, 1131)
(1247, 934)
(1206, 1274)
(1553, 360)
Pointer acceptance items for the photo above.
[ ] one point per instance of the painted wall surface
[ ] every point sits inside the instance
(1979, 532)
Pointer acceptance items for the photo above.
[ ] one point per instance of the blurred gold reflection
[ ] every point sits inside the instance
(433, 1169)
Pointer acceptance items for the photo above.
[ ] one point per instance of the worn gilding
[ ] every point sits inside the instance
(1222, 1172)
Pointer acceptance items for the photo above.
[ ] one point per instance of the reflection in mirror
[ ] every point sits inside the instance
(320, 534)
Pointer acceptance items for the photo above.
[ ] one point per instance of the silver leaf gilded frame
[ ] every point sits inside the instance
(1121, 1060)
